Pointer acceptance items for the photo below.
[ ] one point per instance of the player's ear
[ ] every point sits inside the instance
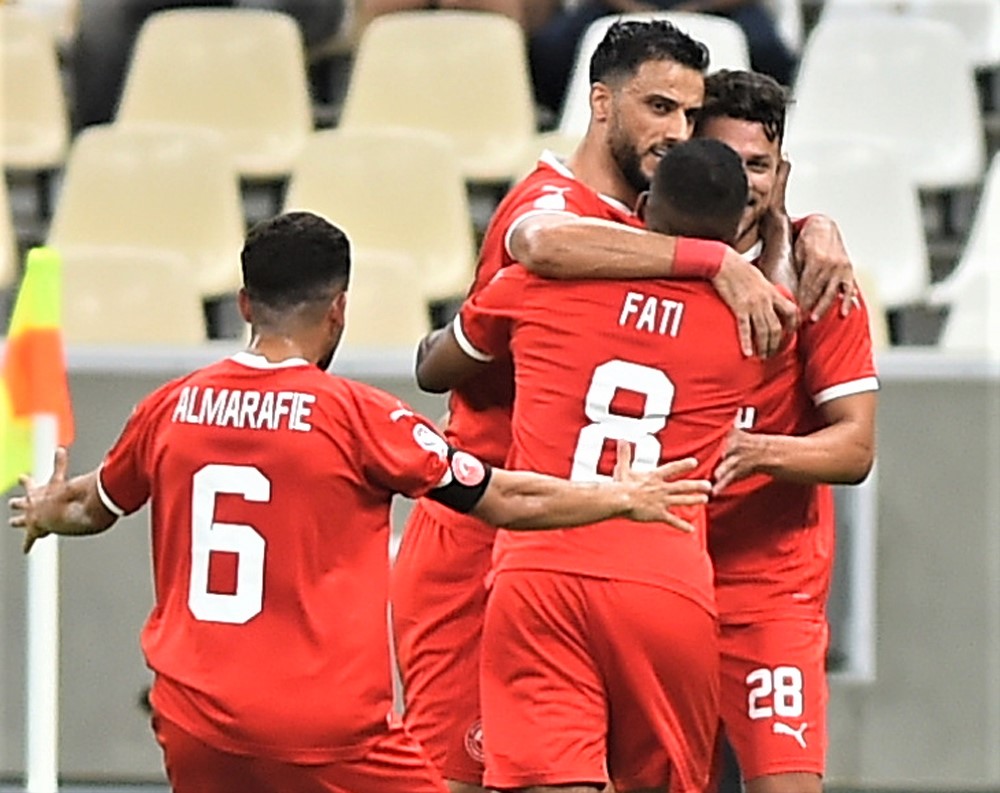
(641, 203)
(601, 97)
(338, 308)
(243, 302)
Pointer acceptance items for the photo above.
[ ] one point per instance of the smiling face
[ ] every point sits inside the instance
(646, 114)
(761, 158)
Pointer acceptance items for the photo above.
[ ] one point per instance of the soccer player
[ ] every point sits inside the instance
(270, 483)
(771, 537)
(564, 218)
(598, 652)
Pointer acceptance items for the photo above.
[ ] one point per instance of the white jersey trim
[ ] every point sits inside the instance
(467, 347)
(108, 502)
(255, 361)
(846, 389)
(530, 213)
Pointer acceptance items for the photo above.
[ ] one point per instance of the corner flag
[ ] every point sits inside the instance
(33, 377)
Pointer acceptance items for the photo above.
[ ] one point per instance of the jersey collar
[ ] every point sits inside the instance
(254, 361)
(552, 160)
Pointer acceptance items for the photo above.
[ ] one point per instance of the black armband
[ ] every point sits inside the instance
(464, 482)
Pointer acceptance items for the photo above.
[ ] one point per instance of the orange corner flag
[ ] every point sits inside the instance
(33, 378)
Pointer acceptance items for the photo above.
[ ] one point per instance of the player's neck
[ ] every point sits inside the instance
(278, 347)
(593, 165)
(748, 239)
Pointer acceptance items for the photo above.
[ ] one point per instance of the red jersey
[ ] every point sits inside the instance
(772, 541)
(480, 409)
(655, 362)
(270, 487)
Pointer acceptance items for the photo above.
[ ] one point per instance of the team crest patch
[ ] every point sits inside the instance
(468, 470)
(427, 439)
(474, 740)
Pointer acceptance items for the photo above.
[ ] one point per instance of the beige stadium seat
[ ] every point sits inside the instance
(60, 16)
(123, 296)
(726, 42)
(239, 72)
(877, 77)
(34, 125)
(384, 307)
(866, 190)
(163, 189)
(981, 253)
(461, 73)
(977, 20)
(393, 189)
(8, 240)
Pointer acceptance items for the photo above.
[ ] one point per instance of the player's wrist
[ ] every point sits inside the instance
(697, 258)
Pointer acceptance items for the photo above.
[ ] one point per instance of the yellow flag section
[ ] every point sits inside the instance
(33, 377)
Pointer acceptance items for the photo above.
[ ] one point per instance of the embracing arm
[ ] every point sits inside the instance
(68, 507)
(443, 364)
(568, 247)
(525, 500)
(842, 452)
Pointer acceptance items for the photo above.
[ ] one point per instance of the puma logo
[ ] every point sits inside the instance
(780, 728)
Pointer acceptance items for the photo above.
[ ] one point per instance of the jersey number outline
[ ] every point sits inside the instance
(605, 382)
(783, 684)
(208, 535)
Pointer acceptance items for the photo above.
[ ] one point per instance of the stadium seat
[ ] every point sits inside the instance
(60, 16)
(982, 247)
(8, 240)
(239, 72)
(129, 296)
(161, 189)
(866, 190)
(906, 83)
(393, 189)
(977, 20)
(788, 15)
(34, 125)
(973, 323)
(460, 73)
(383, 304)
(726, 42)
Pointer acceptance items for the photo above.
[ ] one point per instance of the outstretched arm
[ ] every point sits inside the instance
(561, 246)
(70, 507)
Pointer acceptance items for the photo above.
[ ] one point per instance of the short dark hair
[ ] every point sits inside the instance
(629, 44)
(294, 258)
(699, 190)
(747, 96)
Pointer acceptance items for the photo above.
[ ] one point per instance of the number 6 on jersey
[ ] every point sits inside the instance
(207, 536)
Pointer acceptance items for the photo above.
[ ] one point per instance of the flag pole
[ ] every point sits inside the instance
(42, 670)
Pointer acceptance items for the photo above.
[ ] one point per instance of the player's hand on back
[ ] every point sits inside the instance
(742, 455)
(763, 314)
(826, 271)
(655, 492)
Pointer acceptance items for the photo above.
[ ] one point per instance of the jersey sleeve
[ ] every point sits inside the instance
(123, 481)
(546, 195)
(482, 326)
(836, 354)
(399, 449)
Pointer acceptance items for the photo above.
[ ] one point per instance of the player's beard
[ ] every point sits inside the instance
(324, 362)
(628, 159)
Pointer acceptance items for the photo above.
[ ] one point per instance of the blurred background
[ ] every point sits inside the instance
(142, 137)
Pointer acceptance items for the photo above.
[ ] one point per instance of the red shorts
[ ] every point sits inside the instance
(774, 695)
(395, 764)
(438, 595)
(586, 678)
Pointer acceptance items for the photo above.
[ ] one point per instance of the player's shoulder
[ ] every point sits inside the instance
(363, 400)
